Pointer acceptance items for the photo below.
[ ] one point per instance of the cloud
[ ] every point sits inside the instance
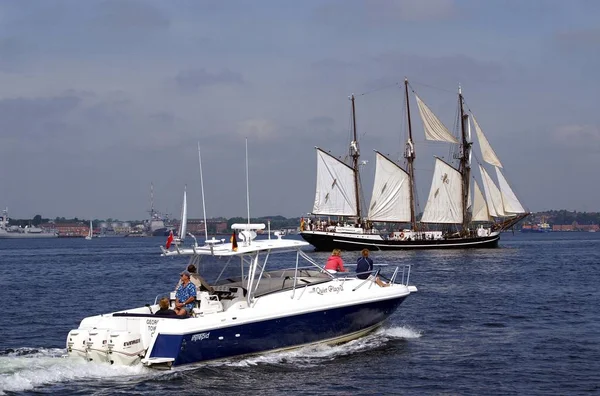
(130, 14)
(450, 68)
(410, 10)
(579, 38)
(31, 117)
(194, 79)
(321, 121)
(257, 128)
(12, 53)
(384, 12)
(580, 137)
(577, 50)
(163, 118)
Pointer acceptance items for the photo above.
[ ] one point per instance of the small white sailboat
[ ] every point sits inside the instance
(90, 232)
(182, 232)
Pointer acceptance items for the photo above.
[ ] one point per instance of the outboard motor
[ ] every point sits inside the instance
(125, 348)
(77, 343)
(97, 345)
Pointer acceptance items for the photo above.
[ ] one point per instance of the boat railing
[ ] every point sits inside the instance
(405, 275)
(161, 295)
(370, 279)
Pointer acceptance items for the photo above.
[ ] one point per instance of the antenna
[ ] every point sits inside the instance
(202, 188)
(247, 184)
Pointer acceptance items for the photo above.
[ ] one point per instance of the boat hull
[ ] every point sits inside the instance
(324, 241)
(333, 325)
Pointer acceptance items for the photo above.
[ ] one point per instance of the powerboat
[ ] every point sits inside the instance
(263, 309)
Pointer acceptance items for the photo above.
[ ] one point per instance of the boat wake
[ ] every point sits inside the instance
(314, 355)
(25, 369)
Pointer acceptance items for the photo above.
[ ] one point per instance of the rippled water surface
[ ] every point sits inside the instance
(521, 319)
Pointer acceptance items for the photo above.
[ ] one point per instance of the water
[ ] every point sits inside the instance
(520, 319)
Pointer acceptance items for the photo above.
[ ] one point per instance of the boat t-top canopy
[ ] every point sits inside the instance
(216, 247)
(248, 227)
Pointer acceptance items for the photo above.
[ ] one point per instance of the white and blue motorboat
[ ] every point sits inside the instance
(262, 310)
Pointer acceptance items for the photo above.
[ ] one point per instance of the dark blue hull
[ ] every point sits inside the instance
(274, 334)
(330, 241)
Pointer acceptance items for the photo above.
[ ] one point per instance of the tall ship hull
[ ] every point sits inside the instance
(323, 241)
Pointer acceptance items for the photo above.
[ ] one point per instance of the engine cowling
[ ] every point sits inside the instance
(97, 345)
(125, 348)
(77, 343)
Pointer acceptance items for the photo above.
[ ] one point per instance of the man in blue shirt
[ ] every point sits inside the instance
(185, 295)
(364, 265)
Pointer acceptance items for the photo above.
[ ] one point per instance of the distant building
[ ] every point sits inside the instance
(196, 226)
(576, 227)
(560, 227)
(69, 229)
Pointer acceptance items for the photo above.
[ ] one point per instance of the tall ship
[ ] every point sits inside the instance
(13, 232)
(456, 215)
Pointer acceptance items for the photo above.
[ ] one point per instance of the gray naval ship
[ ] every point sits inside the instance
(11, 232)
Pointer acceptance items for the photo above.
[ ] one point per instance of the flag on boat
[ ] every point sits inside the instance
(169, 239)
(233, 242)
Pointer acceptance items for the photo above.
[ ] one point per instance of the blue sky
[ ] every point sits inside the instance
(101, 98)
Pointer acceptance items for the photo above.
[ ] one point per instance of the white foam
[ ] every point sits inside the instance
(316, 354)
(27, 369)
(401, 332)
(21, 370)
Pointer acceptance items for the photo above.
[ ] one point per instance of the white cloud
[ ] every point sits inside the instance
(584, 137)
(257, 128)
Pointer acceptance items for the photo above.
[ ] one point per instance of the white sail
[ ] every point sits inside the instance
(90, 232)
(434, 129)
(335, 192)
(487, 151)
(510, 203)
(492, 193)
(391, 192)
(444, 204)
(183, 225)
(480, 208)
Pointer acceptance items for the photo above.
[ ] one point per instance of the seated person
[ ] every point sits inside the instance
(197, 280)
(335, 263)
(185, 295)
(364, 265)
(164, 308)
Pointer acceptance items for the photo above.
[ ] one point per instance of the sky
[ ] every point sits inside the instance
(99, 99)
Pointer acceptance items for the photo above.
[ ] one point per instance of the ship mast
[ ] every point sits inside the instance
(151, 211)
(410, 156)
(355, 155)
(465, 166)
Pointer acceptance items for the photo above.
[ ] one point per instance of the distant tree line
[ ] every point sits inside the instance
(559, 217)
(565, 217)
